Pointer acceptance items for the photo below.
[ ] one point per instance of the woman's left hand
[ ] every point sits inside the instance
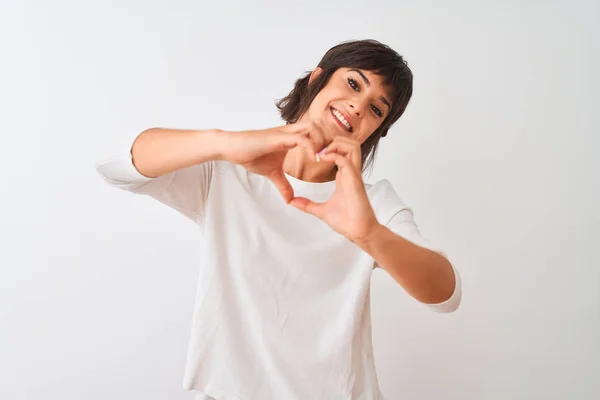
(348, 211)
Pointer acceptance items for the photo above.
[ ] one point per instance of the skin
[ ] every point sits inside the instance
(362, 98)
(349, 93)
(424, 274)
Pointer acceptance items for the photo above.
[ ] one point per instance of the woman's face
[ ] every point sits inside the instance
(354, 102)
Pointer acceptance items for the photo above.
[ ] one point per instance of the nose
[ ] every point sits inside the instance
(357, 107)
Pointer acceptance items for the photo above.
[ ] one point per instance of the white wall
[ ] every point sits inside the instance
(498, 154)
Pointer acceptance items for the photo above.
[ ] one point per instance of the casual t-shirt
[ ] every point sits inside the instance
(282, 309)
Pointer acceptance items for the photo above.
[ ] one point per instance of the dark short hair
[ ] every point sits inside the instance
(369, 55)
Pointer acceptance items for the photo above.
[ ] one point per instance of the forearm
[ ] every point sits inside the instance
(158, 151)
(424, 274)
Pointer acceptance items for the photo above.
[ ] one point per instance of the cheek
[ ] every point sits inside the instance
(318, 104)
(314, 108)
(368, 128)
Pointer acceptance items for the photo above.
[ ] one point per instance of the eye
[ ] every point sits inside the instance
(377, 111)
(353, 84)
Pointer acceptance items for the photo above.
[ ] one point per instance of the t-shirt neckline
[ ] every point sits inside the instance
(311, 187)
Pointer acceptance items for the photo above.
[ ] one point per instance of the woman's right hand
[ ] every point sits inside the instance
(263, 151)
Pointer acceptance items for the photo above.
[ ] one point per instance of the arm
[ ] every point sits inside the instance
(173, 166)
(156, 152)
(423, 273)
(176, 166)
(396, 245)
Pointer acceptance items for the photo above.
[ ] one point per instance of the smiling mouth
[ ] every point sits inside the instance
(340, 118)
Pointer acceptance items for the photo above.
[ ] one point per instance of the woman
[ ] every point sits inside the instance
(282, 309)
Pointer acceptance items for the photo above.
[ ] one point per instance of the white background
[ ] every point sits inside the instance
(498, 155)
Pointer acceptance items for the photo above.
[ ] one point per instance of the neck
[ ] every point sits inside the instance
(298, 165)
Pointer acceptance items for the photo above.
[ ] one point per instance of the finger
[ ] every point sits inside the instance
(296, 127)
(292, 140)
(308, 206)
(315, 130)
(346, 139)
(346, 149)
(340, 160)
(283, 185)
(317, 135)
(321, 130)
(340, 148)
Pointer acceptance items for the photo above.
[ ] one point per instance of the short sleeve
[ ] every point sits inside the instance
(399, 218)
(403, 224)
(185, 190)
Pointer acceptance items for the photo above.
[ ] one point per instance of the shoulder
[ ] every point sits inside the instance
(383, 194)
(385, 200)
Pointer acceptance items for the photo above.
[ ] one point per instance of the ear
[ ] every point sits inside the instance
(317, 71)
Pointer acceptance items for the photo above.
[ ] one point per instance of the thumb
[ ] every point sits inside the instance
(283, 185)
(308, 206)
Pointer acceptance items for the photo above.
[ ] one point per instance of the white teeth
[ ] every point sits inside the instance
(341, 118)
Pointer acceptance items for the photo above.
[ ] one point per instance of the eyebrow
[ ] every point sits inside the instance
(368, 83)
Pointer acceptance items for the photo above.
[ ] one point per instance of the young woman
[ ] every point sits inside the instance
(291, 233)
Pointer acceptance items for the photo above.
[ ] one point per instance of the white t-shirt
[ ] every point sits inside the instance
(282, 309)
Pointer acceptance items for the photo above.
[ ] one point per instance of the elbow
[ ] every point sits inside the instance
(448, 287)
(437, 295)
(448, 296)
(448, 305)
